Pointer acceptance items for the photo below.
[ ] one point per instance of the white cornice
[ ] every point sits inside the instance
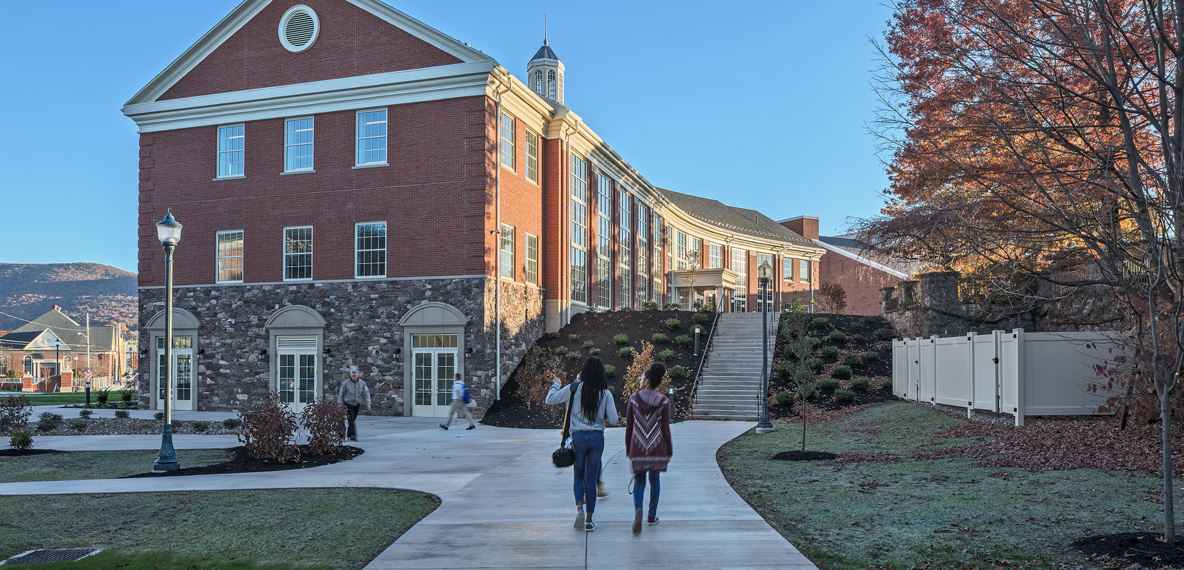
(393, 88)
(862, 259)
(692, 226)
(431, 35)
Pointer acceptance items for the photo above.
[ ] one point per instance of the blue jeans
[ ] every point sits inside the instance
(589, 447)
(639, 490)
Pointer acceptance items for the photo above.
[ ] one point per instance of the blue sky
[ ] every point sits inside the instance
(760, 105)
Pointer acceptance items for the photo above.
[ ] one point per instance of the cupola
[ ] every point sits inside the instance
(544, 73)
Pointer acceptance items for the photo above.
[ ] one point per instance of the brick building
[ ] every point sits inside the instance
(358, 188)
(861, 271)
(49, 352)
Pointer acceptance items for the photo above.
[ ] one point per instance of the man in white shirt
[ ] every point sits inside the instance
(458, 404)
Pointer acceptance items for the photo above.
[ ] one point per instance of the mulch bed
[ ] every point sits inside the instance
(26, 452)
(599, 329)
(860, 331)
(1143, 548)
(798, 455)
(242, 462)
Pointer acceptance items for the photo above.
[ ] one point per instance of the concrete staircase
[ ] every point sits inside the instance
(731, 383)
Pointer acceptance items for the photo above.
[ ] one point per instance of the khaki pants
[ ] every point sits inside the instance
(459, 406)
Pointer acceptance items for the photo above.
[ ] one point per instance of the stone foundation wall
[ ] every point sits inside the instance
(523, 322)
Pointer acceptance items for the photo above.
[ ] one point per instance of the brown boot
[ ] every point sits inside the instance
(601, 491)
(637, 522)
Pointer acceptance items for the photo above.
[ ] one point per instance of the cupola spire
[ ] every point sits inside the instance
(544, 73)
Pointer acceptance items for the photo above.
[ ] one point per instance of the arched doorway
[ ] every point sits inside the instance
(433, 339)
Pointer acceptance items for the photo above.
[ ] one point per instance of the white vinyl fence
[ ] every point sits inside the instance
(1018, 373)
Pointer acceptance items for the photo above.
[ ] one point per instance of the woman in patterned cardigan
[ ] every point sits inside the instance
(647, 440)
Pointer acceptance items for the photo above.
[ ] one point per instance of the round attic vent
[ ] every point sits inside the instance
(299, 28)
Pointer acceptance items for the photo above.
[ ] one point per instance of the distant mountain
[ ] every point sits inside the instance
(28, 291)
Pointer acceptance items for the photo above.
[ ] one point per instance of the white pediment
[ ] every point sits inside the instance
(47, 342)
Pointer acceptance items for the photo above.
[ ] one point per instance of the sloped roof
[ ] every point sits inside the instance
(102, 339)
(739, 220)
(846, 244)
(545, 52)
(18, 340)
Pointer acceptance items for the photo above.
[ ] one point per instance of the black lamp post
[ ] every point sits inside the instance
(169, 232)
(764, 272)
(57, 355)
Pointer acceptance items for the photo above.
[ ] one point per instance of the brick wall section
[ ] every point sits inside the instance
(435, 196)
(861, 282)
(553, 245)
(351, 42)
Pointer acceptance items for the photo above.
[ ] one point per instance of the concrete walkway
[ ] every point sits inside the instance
(503, 505)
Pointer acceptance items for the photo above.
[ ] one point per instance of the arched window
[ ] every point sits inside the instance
(551, 84)
(3, 367)
(538, 81)
(29, 365)
(68, 363)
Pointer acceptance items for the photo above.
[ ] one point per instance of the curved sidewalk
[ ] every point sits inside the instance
(503, 505)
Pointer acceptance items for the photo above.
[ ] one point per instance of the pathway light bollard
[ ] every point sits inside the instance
(88, 393)
(764, 272)
(169, 232)
(696, 352)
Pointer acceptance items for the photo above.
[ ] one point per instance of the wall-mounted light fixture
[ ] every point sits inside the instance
(201, 352)
(327, 352)
(398, 353)
(468, 352)
(263, 353)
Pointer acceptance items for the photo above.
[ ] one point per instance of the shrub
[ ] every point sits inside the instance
(827, 383)
(871, 355)
(650, 305)
(842, 395)
(860, 383)
(158, 416)
(322, 419)
(200, 426)
(830, 352)
(593, 351)
(683, 340)
(231, 423)
(269, 428)
(103, 395)
(78, 425)
(574, 355)
(20, 440)
(820, 322)
(676, 372)
(610, 370)
(803, 375)
(625, 352)
(659, 338)
(122, 414)
(814, 342)
(14, 413)
(857, 338)
(814, 364)
(785, 399)
(831, 297)
(870, 320)
(883, 334)
(789, 352)
(700, 318)
(673, 324)
(837, 336)
(856, 326)
(573, 337)
(666, 355)
(841, 371)
(642, 360)
(670, 307)
(127, 395)
(806, 391)
(852, 360)
(552, 335)
(785, 370)
(49, 421)
(886, 385)
(85, 414)
(560, 350)
(621, 339)
(624, 308)
(587, 344)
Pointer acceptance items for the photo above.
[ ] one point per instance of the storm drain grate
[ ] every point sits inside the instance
(43, 556)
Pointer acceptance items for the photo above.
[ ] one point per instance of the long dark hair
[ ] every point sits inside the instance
(594, 386)
(654, 375)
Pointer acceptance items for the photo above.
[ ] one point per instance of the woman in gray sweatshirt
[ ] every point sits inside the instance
(593, 404)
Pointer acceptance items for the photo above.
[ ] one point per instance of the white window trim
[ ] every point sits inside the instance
(538, 151)
(804, 277)
(385, 249)
(357, 137)
(513, 141)
(284, 254)
(721, 255)
(526, 266)
(218, 153)
(513, 276)
(286, 145)
(218, 256)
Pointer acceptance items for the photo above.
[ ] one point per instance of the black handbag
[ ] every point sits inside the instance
(565, 456)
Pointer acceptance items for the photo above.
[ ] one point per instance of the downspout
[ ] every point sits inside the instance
(497, 256)
(565, 168)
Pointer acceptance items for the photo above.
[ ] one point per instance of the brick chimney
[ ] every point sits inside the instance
(57, 308)
(805, 226)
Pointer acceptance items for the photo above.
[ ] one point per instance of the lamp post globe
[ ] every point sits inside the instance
(764, 272)
(169, 232)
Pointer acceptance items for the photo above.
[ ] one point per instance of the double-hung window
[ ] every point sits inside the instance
(787, 268)
(695, 253)
(532, 156)
(371, 137)
(370, 249)
(768, 294)
(230, 256)
(740, 266)
(579, 229)
(231, 144)
(604, 249)
(680, 250)
(804, 270)
(507, 247)
(508, 141)
(625, 248)
(715, 256)
(298, 253)
(298, 144)
(532, 259)
(643, 251)
(657, 292)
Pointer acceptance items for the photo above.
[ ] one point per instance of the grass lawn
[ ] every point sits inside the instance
(898, 512)
(301, 528)
(96, 464)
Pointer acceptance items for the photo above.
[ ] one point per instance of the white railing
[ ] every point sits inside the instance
(1014, 372)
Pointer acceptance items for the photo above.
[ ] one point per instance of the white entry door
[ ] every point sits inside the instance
(182, 373)
(296, 373)
(433, 360)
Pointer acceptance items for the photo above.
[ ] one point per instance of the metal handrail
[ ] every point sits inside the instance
(706, 348)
